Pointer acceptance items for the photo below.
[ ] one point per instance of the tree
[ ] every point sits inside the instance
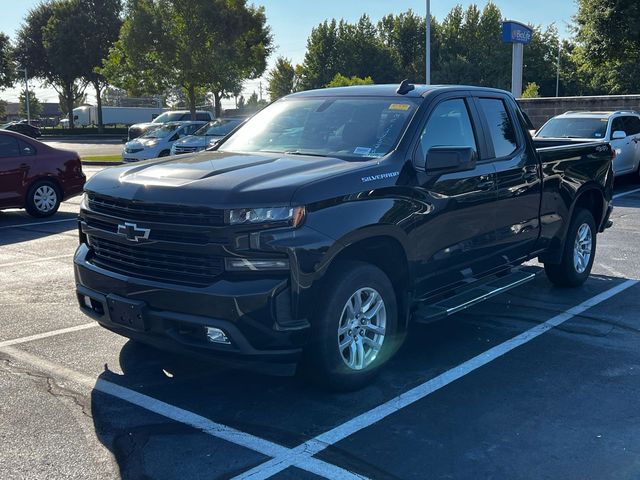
(282, 79)
(254, 104)
(342, 81)
(212, 44)
(79, 99)
(3, 109)
(35, 107)
(608, 51)
(47, 46)
(112, 96)
(98, 30)
(531, 91)
(7, 67)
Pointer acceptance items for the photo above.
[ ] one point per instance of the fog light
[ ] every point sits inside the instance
(215, 335)
(87, 302)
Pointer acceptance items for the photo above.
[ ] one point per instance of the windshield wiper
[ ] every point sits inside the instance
(306, 154)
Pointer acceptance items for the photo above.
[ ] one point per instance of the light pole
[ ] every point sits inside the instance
(26, 90)
(428, 45)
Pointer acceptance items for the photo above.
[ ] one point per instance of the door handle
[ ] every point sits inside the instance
(485, 185)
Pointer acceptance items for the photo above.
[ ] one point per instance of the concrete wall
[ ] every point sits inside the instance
(542, 109)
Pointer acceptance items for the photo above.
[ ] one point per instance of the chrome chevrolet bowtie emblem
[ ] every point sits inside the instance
(133, 233)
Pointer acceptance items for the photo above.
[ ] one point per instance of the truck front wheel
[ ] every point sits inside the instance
(353, 332)
(578, 254)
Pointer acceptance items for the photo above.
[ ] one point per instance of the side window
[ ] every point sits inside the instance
(26, 150)
(501, 128)
(202, 116)
(448, 126)
(618, 125)
(185, 117)
(632, 125)
(9, 147)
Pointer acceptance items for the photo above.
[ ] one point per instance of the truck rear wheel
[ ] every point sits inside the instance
(354, 329)
(578, 254)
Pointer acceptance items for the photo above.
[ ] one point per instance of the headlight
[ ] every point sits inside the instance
(133, 150)
(246, 216)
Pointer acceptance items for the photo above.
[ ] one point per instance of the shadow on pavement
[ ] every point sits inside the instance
(18, 227)
(290, 411)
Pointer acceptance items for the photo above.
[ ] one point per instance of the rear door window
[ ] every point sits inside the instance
(632, 125)
(203, 117)
(449, 125)
(9, 147)
(501, 128)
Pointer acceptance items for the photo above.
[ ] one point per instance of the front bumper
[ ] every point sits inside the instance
(175, 317)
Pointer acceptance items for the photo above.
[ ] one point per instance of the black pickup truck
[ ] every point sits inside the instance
(317, 230)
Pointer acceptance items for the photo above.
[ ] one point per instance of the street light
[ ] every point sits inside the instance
(428, 45)
(26, 89)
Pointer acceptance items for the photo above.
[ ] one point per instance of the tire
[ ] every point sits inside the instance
(43, 199)
(360, 360)
(578, 254)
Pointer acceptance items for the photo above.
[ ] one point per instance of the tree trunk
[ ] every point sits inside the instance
(217, 97)
(99, 101)
(68, 91)
(191, 90)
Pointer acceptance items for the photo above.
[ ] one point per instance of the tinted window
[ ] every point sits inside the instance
(9, 147)
(503, 135)
(618, 125)
(449, 125)
(574, 127)
(26, 149)
(203, 116)
(631, 125)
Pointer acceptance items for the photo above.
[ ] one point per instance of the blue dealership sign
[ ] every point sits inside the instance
(516, 32)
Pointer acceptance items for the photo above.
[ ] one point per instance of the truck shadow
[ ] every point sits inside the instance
(16, 227)
(291, 410)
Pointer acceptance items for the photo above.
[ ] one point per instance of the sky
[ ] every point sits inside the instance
(291, 22)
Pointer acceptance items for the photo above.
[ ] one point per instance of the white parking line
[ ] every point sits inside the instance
(40, 336)
(35, 224)
(624, 194)
(331, 437)
(35, 260)
(218, 430)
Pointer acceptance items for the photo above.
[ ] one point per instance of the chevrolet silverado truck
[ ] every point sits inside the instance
(315, 233)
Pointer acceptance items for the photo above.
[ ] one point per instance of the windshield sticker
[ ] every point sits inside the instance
(362, 151)
(400, 106)
(598, 134)
(381, 176)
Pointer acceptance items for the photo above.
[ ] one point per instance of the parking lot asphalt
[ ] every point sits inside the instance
(88, 147)
(540, 382)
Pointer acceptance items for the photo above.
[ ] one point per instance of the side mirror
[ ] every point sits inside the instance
(451, 159)
(618, 135)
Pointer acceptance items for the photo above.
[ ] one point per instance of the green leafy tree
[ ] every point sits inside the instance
(608, 50)
(47, 46)
(212, 44)
(253, 103)
(79, 99)
(35, 107)
(342, 81)
(7, 67)
(3, 110)
(531, 91)
(282, 79)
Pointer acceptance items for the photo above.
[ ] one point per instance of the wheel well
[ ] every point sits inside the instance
(388, 255)
(592, 200)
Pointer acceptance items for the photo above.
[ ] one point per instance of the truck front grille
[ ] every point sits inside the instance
(176, 214)
(144, 261)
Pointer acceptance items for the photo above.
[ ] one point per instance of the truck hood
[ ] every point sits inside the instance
(218, 179)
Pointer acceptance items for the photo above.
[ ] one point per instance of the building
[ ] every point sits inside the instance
(50, 117)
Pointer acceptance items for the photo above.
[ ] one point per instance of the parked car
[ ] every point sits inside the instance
(23, 128)
(621, 129)
(325, 223)
(139, 129)
(36, 176)
(157, 142)
(206, 137)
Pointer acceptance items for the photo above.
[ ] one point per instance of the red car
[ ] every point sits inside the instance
(35, 176)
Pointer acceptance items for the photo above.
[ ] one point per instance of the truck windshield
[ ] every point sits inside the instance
(574, 127)
(351, 128)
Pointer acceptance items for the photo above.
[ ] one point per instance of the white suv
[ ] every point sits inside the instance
(621, 129)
